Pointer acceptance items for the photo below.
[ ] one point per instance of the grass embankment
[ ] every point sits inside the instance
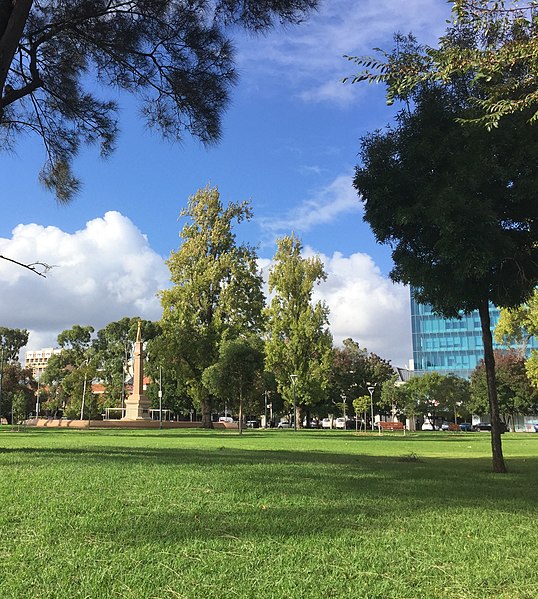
(191, 513)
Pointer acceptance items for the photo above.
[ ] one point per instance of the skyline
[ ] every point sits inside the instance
(290, 141)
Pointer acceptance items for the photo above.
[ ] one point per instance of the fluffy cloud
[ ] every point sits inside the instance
(108, 270)
(101, 273)
(366, 306)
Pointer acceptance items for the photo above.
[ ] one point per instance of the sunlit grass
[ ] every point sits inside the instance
(191, 513)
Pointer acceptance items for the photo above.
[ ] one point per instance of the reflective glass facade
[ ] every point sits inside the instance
(448, 345)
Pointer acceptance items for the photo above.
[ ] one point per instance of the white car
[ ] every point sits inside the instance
(326, 423)
(340, 423)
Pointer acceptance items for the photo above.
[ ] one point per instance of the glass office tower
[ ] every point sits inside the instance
(448, 345)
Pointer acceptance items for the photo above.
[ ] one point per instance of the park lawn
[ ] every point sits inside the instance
(193, 513)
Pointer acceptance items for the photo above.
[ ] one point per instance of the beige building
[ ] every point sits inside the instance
(37, 359)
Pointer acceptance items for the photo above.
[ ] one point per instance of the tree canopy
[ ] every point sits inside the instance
(216, 293)
(501, 63)
(457, 206)
(57, 55)
(299, 342)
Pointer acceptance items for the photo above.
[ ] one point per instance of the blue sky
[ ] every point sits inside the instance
(289, 144)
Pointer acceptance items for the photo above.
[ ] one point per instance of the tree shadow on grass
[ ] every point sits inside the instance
(249, 494)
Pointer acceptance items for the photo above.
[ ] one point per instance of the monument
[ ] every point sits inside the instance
(137, 404)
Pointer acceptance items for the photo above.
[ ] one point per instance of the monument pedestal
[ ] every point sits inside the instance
(137, 408)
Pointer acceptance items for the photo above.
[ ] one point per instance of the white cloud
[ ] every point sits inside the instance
(310, 56)
(324, 206)
(107, 270)
(102, 273)
(366, 306)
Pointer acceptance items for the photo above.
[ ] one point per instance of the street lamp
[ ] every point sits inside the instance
(371, 389)
(160, 396)
(293, 378)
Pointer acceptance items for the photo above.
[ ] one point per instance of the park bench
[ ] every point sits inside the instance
(390, 426)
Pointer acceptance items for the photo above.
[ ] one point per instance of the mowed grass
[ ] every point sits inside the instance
(192, 513)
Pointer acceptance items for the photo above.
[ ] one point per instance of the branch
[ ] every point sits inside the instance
(40, 268)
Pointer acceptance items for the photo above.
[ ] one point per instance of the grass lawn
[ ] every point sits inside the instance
(193, 513)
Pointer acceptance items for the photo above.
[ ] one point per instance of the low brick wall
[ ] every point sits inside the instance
(144, 424)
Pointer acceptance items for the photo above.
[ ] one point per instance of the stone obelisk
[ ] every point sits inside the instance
(137, 404)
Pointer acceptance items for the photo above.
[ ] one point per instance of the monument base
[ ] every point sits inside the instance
(137, 408)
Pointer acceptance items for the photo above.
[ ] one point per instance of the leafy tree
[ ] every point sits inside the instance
(516, 393)
(216, 293)
(68, 375)
(17, 381)
(76, 340)
(299, 341)
(456, 205)
(431, 394)
(11, 343)
(456, 396)
(501, 63)
(19, 407)
(237, 376)
(353, 369)
(517, 325)
(175, 56)
(360, 406)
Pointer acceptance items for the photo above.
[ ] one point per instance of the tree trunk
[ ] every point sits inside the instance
(241, 411)
(11, 29)
(206, 406)
(489, 362)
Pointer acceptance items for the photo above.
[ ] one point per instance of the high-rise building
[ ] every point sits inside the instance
(37, 359)
(448, 345)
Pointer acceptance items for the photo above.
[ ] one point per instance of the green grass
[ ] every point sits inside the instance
(192, 513)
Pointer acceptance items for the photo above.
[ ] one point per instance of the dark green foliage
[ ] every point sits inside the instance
(11, 342)
(457, 205)
(216, 294)
(516, 394)
(175, 56)
(353, 370)
(236, 377)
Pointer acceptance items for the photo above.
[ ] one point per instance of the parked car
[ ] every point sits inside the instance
(340, 423)
(226, 419)
(486, 426)
(326, 423)
(253, 424)
(428, 426)
(466, 426)
(283, 424)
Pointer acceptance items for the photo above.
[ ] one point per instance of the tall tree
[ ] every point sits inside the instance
(175, 56)
(299, 342)
(458, 206)
(216, 292)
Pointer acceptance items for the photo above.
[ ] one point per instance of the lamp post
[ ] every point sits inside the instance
(1, 375)
(160, 396)
(371, 389)
(293, 378)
